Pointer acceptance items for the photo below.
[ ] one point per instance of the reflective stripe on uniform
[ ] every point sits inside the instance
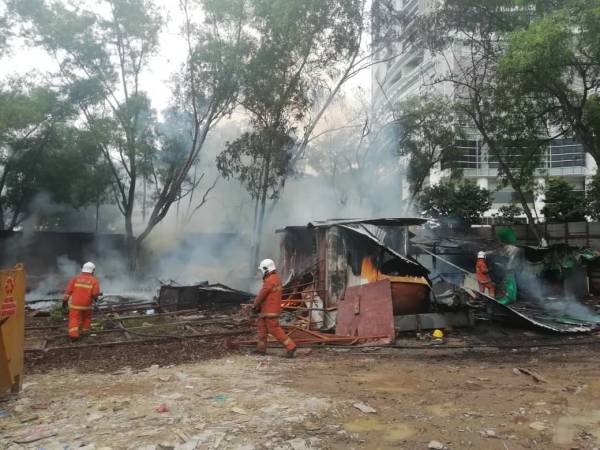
(73, 329)
(287, 341)
(84, 285)
(80, 308)
(269, 315)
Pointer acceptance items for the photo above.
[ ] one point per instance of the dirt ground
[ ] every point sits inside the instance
(460, 398)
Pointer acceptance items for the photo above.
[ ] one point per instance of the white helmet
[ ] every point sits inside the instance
(481, 255)
(88, 267)
(266, 266)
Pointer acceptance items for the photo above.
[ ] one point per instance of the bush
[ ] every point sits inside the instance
(463, 201)
(562, 202)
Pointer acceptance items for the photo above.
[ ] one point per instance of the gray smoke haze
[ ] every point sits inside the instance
(545, 295)
(343, 174)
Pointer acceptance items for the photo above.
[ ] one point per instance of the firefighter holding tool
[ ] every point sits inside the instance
(268, 305)
(80, 294)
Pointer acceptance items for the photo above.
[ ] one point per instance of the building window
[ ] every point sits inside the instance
(566, 153)
(511, 197)
(466, 156)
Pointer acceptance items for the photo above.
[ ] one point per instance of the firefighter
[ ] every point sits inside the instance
(483, 276)
(268, 305)
(80, 294)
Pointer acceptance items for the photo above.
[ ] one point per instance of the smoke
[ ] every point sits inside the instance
(554, 298)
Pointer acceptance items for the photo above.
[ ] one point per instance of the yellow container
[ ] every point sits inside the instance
(12, 328)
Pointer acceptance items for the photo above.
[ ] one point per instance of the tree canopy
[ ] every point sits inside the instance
(462, 201)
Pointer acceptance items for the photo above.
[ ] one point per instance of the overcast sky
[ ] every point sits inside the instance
(155, 80)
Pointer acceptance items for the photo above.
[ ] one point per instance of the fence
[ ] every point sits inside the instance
(576, 234)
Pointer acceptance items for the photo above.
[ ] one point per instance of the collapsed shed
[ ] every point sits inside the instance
(356, 274)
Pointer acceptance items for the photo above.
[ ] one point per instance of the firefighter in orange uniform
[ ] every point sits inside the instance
(483, 276)
(81, 292)
(268, 304)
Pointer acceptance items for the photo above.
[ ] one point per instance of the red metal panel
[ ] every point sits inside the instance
(367, 311)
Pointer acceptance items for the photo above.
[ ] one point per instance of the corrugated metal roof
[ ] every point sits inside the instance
(381, 221)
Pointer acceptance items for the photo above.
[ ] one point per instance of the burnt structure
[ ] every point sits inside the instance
(322, 260)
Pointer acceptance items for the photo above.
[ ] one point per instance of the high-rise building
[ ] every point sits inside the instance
(413, 72)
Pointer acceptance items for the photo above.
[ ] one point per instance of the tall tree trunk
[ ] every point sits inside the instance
(97, 215)
(261, 211)
(130, 242)
(531, 222)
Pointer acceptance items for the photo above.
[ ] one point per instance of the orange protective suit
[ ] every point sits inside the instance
(483, 277)
(81, 291)
(269, 300)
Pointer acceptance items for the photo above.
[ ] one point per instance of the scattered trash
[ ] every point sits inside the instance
(220, 398)
(4, 414)
(536, 376)
(539, 426)
(364, 408)
(436, 445)
(488, 433)
(237, 410)
(162, 408)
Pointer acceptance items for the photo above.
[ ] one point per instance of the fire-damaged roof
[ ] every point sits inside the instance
(371, 229)
(394, 221)
(382, 221)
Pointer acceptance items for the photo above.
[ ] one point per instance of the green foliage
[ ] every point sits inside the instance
(557, 57)
(101, 52)
(593, 197)
(562, 203)
(259, 160)
(427, 136)
(463, 201)
(509, 213)
(42, 153)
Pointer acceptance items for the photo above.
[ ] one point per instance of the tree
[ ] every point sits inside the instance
(101, 54)
(463, 201)
(509, 213)
(557, 56)
(40, 153)
(297, 45)
(427, 136)
(593, 197)
(562, 202)
(511, 126)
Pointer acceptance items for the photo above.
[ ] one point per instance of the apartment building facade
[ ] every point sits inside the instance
(413, 72)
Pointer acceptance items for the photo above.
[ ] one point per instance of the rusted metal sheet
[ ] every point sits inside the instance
(367, 311)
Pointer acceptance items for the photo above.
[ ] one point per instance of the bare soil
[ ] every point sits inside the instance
(463, 398)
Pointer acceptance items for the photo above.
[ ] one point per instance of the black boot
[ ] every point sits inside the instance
(291, 353)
